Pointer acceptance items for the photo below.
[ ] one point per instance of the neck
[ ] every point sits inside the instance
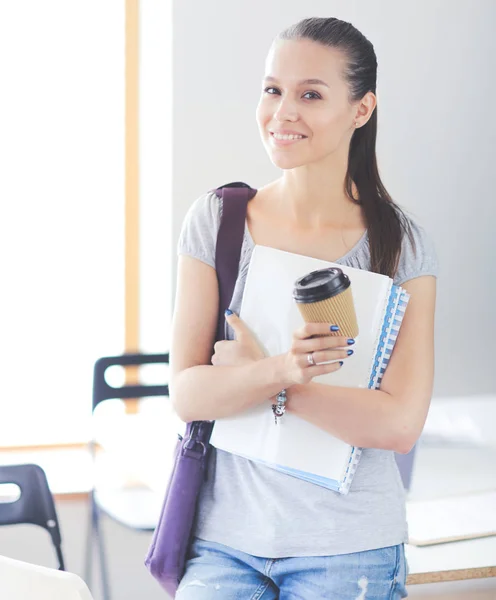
(314, 196)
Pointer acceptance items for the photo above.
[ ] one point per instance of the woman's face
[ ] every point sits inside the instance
(320, 112)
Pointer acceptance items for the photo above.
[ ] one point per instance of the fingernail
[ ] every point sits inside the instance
(350, 341)
(350, 352)
(334, 327)
(341, 363)
(228, 312)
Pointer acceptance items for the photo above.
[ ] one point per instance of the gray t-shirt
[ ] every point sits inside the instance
(262, 512)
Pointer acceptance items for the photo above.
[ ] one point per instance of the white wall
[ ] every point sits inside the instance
(435, 145)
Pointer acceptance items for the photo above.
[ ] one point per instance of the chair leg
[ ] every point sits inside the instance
(95, 534)
(88, 566)
(60, 557)
(101, 553)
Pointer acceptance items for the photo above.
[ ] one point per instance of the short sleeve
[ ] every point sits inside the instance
(418, 261)
(198, 237)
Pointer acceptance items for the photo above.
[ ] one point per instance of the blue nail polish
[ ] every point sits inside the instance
(334, 327)
(229, 312)
(350, 341)
(341, 362)
(350, 352)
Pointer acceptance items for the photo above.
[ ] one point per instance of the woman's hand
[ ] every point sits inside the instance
(240, 351)
(299, 370)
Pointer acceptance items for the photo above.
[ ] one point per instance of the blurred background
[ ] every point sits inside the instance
(115, 115)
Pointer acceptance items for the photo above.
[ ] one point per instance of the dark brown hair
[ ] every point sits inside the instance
(386, 222)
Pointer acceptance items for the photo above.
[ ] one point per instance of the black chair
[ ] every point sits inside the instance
(135, 508)
(35, 504)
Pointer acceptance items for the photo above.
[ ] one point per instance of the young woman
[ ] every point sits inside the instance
(260, 534)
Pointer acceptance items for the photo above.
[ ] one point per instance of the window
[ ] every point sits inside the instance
(62, 211)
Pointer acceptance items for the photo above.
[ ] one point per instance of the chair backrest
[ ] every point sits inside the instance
(20, 580)
(103, 391)
(35, 504)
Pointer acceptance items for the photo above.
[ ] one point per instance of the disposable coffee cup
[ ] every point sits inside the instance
(325, 296)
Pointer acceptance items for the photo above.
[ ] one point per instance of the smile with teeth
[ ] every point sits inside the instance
(278, 136)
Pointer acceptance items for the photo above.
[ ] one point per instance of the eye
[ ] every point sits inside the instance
(315, 95)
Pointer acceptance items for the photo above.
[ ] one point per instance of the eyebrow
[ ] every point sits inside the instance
(303, 82)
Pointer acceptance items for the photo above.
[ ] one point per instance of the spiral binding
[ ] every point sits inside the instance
(395, 311)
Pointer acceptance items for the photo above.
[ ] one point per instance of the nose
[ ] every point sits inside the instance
(286, 110)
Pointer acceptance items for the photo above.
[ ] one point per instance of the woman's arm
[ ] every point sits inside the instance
(199, 390)
(393, 417)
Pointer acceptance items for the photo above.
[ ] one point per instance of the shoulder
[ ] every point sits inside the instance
(418, 253)
(198, 236)
(205, 211)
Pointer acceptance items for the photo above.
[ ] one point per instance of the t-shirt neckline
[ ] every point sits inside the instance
(350, 252)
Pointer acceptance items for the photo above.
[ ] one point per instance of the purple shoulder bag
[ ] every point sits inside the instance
(166, 556)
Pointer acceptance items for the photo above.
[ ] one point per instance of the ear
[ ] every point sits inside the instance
(365, 108)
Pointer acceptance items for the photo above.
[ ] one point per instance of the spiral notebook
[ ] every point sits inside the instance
(295, 446)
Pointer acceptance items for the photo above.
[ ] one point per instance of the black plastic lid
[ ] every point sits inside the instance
(320, 285)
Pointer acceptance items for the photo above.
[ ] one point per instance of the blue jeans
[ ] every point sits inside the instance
(217, 572)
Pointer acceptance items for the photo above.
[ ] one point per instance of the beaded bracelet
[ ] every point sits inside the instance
(280, 407)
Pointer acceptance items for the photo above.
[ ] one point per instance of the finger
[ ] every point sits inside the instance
(323, 357)
(321, 343)
(310, 329)
(323, 369)
(239, 326)
(220, 344)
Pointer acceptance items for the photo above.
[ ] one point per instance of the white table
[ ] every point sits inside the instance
(442, 471)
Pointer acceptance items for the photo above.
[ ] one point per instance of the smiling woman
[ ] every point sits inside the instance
(340, 124)
(317, 118)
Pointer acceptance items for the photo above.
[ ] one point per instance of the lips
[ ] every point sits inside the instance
(287, 132)
(285, 142)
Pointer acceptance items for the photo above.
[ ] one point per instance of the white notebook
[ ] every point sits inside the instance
(295, 446)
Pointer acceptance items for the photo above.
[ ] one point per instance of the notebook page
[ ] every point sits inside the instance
(270, 312)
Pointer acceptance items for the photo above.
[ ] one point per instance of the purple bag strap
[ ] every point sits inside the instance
(235, 197)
